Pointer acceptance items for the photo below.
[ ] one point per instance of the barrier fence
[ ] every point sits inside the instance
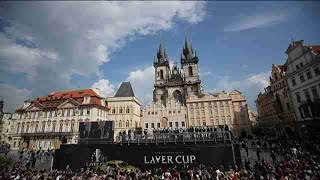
(170, 137)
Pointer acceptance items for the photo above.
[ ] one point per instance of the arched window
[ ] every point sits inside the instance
(128, 109)
(120, 111)
(113, 110)
(161, 74)
(120, 123)
(127, 123)
(190, 71)
(177, 96)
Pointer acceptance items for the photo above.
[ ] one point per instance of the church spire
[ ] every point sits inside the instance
(187, 46)
(162, 56)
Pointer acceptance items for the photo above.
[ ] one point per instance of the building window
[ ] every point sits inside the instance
(288, 107)
(88, 111)
(60, 127)
(36, 128)
(275, 76)
(120, 123)
(306, 111)
(161, 74)
(309, 75)
(204, 123)
(190, 71)
(158, 125)
(301, 64)
(72, 126)
(307, 95)
(55, 113)
(317, 71)
(73, 112)
(113, 110)
(314, 92)
(298, 97)
(170, 124)
(301, 76)
(128, 110)
(53, 127)
(120, 111)
(146, 125)
(177, 124)
(127, 123)
(81, 112)
(43, 126)
(293, 80)
(297, 66)
(182, 124)
(68, 112)
(152, 125)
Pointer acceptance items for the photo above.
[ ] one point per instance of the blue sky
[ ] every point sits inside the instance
(54, 46)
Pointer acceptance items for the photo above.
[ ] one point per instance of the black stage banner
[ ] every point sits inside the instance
(96, 130)
(145, 156)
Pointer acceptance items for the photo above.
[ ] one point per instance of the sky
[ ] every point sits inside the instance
(55, 46)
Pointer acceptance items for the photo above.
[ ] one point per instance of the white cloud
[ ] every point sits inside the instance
(255, 21)
(142, 82)
(105, 86)
(13, 97)
(250, 86)
(76, 38)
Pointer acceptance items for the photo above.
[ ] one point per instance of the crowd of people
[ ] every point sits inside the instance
(177, 134)
(293, 157)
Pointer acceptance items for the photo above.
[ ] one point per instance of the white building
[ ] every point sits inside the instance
(125, 109)
(157, 115)
(304, 80)
(45, 121)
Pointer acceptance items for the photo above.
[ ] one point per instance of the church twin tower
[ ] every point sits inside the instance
(174, 83)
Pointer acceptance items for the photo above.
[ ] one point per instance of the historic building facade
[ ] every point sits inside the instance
(125, 109)
(304, 80)
(45, 121)
(179, 100)
(281, 97)
(267, 113)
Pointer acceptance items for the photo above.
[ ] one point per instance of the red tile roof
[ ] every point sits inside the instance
(53, 100)
(283, 68)
(316, 49)
(69, 94)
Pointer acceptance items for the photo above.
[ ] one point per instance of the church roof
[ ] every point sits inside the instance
(125, 90)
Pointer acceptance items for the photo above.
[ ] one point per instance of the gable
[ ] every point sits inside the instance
(235, 92)
(34, 107)
(68, 104)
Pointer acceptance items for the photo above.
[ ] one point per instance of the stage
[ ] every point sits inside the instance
(147, 155)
